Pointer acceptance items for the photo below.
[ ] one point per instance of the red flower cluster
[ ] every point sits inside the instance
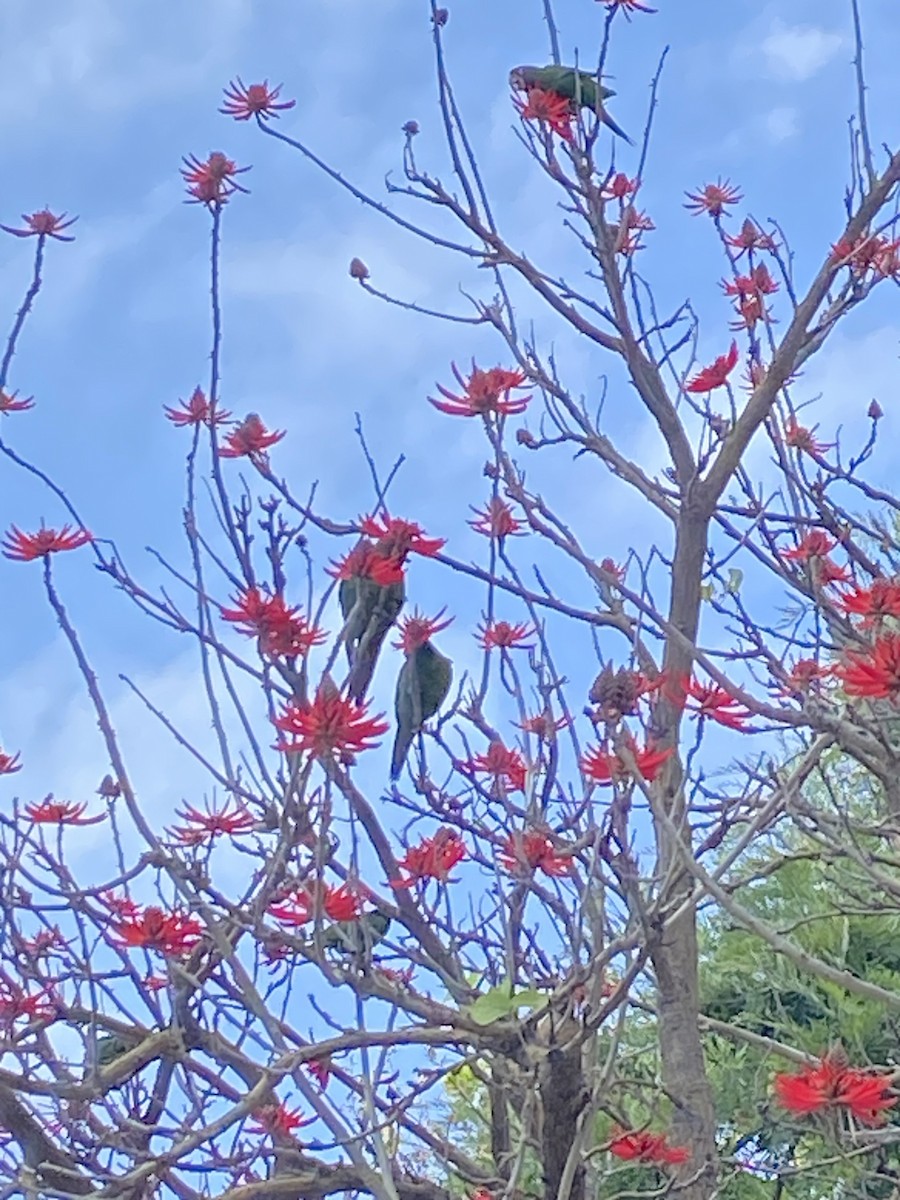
(484, 392)
(249, 439)
(43, 224)
(550, 108)
(873, 603)
(710, 700)
(57, 812)
(750, 238)
(716, 375)
(533, 850)
(814, 549)
(798, 437)
(364, 561)
(341, 903)
(172, 933)
(620, 187)
(876, 674)
(543, 726)
(646, 1147)
(415, 630)
(803, 676)
(205, 826)
(25, 547)
(713, 198)
(258, 100)
(16, 1004)
(397, 539)
(329, 725)
(834, 1085)
(281, 631)
(9, 763)
(502, 635)
(496, 519)
(627, 6)
(606, 768)
(276, 1120)
(433, 858)
(196, 411)
(870, 252)
(211, 182)
(507, 767)
(9, 403)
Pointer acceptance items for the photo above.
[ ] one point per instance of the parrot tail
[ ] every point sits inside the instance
(402, 743)
(617, 129)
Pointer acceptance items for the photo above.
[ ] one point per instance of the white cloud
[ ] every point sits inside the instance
(797, 52)
(781, 123)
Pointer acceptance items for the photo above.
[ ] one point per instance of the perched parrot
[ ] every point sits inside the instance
(369, 611)
(356, 939)
(580, 87)
(422, 687)
(110, 1048)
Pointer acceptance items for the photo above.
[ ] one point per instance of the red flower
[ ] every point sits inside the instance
(831, 1085)
(295, 909)
(627, 233)
(213, 181)
(320, 1069)
(504, 635)
(549, 107)
(496, 519)
(876, 674)
(277, 1120)
(44, 942)
(627, 6)
(281, 631)
(330, 725)
(43, 224)
(647, 1147)
(750, 310)
(9, 403)
(750, 238)
(363, 562)
(398, 538)
(249, 438)
(613, 568)
(803, 675)
(607, 768)
(15, 1004)
(543, 726)
(714, 376)
(205, 826)
(869, 253)
(25, 547)
(170, 933)
(814, 549)
(57, 812)
(713, 198)
(196, 411)
(415, 630)
(873, 603)
(620, 187)
(433, 858)
(258, 100)
(9, 763)
(506, 766)
(758, 283)
(798, 437)
(120, 906)
(710, 700)
(484, 392)
(533, 850)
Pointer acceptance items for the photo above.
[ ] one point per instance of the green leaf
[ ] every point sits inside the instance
(735, 579)
(501, 1001)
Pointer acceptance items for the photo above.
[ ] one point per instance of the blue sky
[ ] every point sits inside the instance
(98, 103)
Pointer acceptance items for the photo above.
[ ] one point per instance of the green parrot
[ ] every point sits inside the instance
(580, 87)
(356, 939)
(422, 687)
(110, 1048)
(373, 611)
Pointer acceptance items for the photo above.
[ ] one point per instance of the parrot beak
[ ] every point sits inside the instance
(516, 82)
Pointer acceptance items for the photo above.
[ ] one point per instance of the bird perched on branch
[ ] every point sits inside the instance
(580, 88)
(422, 687)
(355, 939)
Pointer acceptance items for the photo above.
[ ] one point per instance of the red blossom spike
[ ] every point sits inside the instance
(196, 411)
(496, 520)
(798, 437)
(258, 100)
(416, 629)
(432, 858)
(249, 439)
(329, 726)
(58, 812)
(873, 603)
(43, 224)
(532, 850)
(548, 108)
(212, 181)
(206, 826)
(503, 635)
(646, 1147)
(172, 933)
(396, 538)
(606, 768)
(484, 392)
(9, 403)
(506, 767)
(714, 198)
(874, 675)
(716, 375)
(25, 547)
(833, 1084)
(9, 763)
